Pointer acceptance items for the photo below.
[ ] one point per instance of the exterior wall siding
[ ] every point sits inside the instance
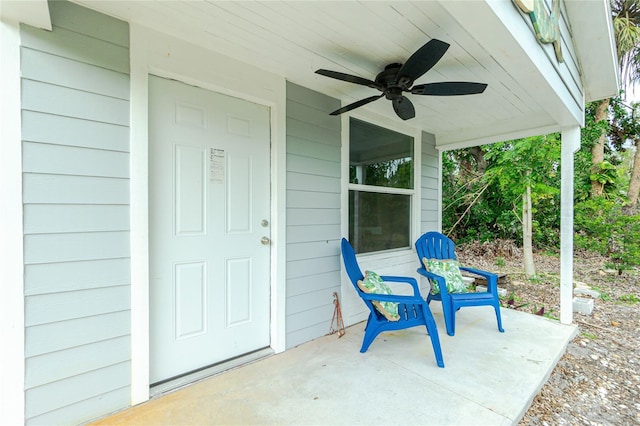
(313, 213)
(75, 131)
(430, 184)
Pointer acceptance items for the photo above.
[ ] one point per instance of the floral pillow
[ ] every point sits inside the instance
(450, 270)
(372, 283)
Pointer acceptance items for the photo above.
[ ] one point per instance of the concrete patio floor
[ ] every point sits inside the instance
(490, 378)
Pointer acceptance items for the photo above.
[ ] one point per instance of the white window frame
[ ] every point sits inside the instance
(415, 193)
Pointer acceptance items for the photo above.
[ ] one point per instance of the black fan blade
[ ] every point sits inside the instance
(420, 62)
(356, 104)
(348, 77)
(449, 88)
(404, 108)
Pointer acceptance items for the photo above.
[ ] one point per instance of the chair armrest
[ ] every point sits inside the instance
(492, 279)
(403, 280)
(391, 298)
(442, 283)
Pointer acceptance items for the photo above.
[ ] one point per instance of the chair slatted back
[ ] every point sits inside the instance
(434, 245)
(351, 263)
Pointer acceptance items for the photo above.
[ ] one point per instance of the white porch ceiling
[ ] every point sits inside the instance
(294, 38)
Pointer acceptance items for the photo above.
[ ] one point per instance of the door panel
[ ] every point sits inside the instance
(208, 196)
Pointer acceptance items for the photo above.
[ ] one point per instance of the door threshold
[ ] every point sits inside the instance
(174, 384)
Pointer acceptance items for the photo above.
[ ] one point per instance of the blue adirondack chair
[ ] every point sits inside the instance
(413, 310)
(434, 245)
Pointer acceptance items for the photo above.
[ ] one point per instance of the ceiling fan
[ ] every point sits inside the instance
(398, 78)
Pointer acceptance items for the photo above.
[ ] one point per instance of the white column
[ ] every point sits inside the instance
(12, 399)
(570, 144)
(139, 217)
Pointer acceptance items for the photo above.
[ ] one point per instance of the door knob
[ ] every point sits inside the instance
(265, 241)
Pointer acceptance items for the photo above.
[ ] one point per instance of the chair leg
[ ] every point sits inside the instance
(432, 329)
(449, 317)
(496, 306)
(367, 341)
(370, 333)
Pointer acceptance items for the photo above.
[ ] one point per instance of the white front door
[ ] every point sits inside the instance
(209, 204)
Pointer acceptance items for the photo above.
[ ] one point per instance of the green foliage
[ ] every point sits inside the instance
(536, 279)
(604, 295)
(605, 173)
(512, 302)
(483, 187)
(630, 298)
(582, 161)
(603, 227)
(485, 206)
(397, 173)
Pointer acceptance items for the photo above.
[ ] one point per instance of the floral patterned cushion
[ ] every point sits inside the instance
(372, 283)
(450, 270)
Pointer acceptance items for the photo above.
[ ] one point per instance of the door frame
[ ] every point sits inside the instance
(159, 54)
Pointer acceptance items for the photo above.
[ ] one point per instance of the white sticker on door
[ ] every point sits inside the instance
(216, 165)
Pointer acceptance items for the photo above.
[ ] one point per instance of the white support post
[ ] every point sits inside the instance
(139, 218)
(12, 362)
(570, 144)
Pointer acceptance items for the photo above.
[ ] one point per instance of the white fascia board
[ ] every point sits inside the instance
(500, 29)
(498, 131)
(524, 133)
(594, 40)
(31, 12)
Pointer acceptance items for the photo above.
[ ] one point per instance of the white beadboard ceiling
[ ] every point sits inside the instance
(294, 38)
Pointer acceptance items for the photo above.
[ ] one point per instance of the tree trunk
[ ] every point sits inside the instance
(634, 183)
(478, 155)
(597, 151)
(527, 233)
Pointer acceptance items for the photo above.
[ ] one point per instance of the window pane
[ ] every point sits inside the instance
(379, 156)
(379, 221)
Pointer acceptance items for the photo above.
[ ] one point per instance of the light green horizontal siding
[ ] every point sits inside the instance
(70, 131)
(60, 71)
(301, 216)
(313, 166)
(48, 308)
(53, 248)
(313, 200)
(57, 336)
(313, 212)
(64, 189)
(76, 360)
(107, 402)
(299, 181)
(78, 275)
(326, 280)
(71, 160)
(75, 127)
(57, 100)
(65, 218)
(74, 389)
(429, 178)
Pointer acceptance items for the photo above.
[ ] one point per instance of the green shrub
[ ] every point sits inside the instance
(603, 227)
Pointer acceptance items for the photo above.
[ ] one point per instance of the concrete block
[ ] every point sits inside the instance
(585, 291)
(502, 292)
(583, 305)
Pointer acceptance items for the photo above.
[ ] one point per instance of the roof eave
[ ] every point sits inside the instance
(597, 49)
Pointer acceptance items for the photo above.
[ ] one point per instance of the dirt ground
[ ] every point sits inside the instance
(597, 381)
